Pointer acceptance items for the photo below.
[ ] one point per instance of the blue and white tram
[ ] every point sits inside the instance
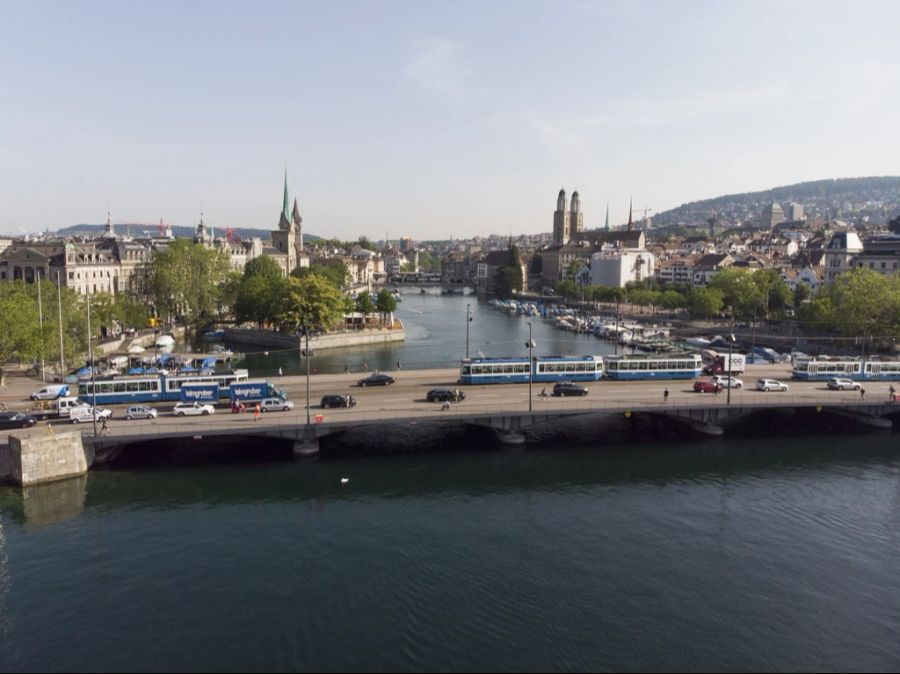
(151, 388)
(658, 366)
(821, 368)
(494, 371)
(568, 368)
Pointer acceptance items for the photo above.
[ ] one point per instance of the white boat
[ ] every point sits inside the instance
(165, 340)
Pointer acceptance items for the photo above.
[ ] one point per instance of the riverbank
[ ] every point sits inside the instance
(333, 340)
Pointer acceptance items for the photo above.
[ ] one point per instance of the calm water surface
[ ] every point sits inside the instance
(737, 555)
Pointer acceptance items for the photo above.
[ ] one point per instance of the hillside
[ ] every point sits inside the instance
(872, 199)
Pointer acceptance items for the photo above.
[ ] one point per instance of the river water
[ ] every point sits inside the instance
(435, 330)
(753, 553)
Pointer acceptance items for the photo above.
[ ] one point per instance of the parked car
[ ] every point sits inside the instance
(51, 392)
(193, 409)
(10, 420)
(771, 385)
(839, 384)
(275, 405)
(568, 388)
(376, 379)
(440, 395)
(87, 413)
(725, 381)
(338, 400)
(141, 412)
(707, 386)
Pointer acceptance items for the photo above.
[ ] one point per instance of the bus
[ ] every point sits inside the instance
(545, 369)
(658, 366)
(152, 387)
(821, 368)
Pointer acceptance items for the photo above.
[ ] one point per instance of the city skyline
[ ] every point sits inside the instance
(430, 121)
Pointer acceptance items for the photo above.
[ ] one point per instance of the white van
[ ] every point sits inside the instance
(86, 413)
(51, 392)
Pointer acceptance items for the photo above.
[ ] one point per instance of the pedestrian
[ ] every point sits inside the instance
(666, 395)
(366, 366)
(103, 427)
(862, 393)
(346, 368)
(398, 365)
(892, 393)
(256, 412)
(544, 392)
(280, 373)
(445, 406)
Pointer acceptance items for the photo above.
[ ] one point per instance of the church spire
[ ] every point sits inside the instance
(630, 223)
(607, 216)
(284, 221)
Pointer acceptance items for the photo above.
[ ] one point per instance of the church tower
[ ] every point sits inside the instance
(297, 221)
(561, 222)
(576, 217)
(284, 239)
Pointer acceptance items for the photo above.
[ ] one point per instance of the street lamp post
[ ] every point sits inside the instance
(62, 360)
(90, 337)
(305, 332)
(468, 320)
(530, 346)
(730, 351)
(41, 320)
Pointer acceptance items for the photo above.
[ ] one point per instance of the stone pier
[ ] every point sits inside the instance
(38, 457)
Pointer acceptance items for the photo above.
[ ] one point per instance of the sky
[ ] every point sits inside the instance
(432, 119)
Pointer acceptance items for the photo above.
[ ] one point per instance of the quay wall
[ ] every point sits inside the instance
(47, 457)
(332, 340)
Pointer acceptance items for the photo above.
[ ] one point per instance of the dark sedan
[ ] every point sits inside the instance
(376, 380)
(338, 401)
(10, 420)
(567, 388)
(441, 395)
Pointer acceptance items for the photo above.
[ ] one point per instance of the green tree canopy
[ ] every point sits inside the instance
(187, 280)
(312, 301)
(706, 302)
(364, 303)
(860, 303)
(334, 271)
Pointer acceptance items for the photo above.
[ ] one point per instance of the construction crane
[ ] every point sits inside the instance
(161, 226)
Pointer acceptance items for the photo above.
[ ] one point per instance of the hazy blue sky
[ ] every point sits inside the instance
(428, 118)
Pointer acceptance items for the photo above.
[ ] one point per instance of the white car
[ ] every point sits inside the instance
(275, 405)
(193, 409)
(725, 381)
(87, 414)
(141, 412)
(771, 385)
(839, 384)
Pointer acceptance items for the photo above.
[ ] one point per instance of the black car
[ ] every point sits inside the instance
(16, 420)
(338, 401)
(567, 388)
(376, 380)
(440, 395)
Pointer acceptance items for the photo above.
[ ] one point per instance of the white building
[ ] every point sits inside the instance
(839, 254)
(617, 268)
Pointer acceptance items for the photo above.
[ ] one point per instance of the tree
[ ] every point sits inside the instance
(334, 271)
(20, 329)
(264, 266)
(364, 303)
(801, 294)
(385, 303)
(860, 303)
(363, 242)
(187, 280)
(312, 301)
(706, 302)
(894, 225)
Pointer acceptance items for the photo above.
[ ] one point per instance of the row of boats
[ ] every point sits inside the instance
(646, 338)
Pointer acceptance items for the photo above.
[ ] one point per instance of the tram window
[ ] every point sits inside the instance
(119, 387)
(133, 386)
(82, 389)
(466, 370)
(643, 366)
(105, 388)
(507, 369)
(599, 367)
(522, 369)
